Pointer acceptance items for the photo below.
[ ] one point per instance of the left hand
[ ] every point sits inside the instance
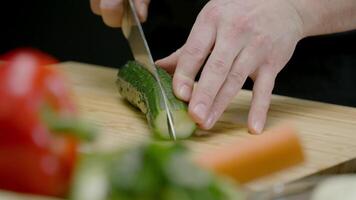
(112, 11)
(252, 38)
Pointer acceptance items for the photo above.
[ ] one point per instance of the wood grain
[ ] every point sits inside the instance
(327, 132)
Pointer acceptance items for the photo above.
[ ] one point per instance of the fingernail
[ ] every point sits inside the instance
(184, 92)
(258, 127)
(200, 111)
(211, 119)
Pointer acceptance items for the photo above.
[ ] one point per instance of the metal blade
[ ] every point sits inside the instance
(133, 32)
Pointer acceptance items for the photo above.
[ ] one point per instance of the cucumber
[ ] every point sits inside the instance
(140, 88)
(91, 179)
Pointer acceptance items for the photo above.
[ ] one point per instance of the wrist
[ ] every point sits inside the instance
(324, 17)
(307, 17)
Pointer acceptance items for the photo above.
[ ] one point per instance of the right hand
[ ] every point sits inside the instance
(112, 10)
(239, 39)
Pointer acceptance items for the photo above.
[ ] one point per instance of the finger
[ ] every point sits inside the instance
(261, 98)
(169, 63)
(248, 60)
(95, 6)
(193, 55)
(213, 75)
(142, 9)
(112, 11)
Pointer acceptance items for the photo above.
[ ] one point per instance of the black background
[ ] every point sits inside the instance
(323, 68)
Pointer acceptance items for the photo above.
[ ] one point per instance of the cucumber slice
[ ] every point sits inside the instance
(141, 89)
(91, 180)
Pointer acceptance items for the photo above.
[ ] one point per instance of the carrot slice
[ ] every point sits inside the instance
(261, 155)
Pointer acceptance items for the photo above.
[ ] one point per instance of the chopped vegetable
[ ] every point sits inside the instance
(336, 187)
(91, 178)
(141, 89)
(267, 153)
(150, 172)
(36, 155)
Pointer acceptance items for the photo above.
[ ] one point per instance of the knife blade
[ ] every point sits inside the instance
(135, 36)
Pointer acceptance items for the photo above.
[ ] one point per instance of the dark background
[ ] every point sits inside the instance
(323, 68)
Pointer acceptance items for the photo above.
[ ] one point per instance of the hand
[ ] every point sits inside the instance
(112, 10)
(253, 38)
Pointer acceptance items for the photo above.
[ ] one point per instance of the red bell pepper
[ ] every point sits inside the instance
(38, 126)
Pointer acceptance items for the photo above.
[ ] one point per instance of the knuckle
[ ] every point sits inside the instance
(242, 24)
(218, 66)
(244, 60)
(231, 89)
(194, 50)
(237, 27)
(207, 95)
(262, 40)
(211, 12)
(237, 77)
(271, 66)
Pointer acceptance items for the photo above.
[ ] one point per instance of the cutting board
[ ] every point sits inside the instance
(327, 132)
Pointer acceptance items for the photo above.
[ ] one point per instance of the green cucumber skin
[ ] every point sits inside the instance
(140, 88)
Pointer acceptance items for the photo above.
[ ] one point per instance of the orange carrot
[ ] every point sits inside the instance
(261, 155)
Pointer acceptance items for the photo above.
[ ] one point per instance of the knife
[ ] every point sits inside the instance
(133, 32)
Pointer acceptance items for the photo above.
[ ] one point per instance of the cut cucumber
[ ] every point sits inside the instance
(141, 89)
(91, 181)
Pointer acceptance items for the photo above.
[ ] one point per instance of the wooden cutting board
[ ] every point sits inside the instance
(327, 132)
